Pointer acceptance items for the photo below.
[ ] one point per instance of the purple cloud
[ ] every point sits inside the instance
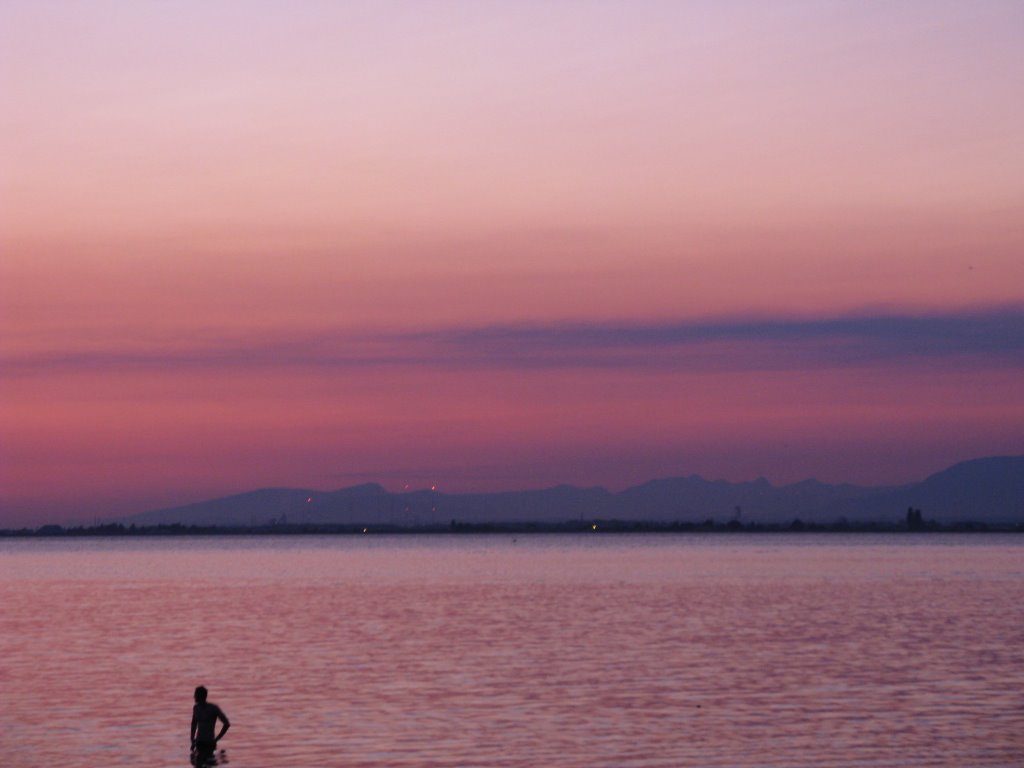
(994, 337)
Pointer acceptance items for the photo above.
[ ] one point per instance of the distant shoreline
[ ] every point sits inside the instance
(455, 527)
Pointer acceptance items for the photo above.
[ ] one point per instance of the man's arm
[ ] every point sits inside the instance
(224, 728)
(192, 730)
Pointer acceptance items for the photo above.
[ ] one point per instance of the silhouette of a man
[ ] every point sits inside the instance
(204, 720)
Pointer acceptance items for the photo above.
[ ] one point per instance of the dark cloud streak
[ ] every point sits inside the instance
(993, 337)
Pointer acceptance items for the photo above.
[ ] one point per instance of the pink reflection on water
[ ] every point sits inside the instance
(560, 651)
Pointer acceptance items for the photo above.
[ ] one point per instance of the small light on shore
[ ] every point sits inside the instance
(594, 527)
(365, 531)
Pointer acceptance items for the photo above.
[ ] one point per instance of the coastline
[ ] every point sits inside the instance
(456, 527)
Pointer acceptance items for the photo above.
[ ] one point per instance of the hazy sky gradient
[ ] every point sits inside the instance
(492, 245)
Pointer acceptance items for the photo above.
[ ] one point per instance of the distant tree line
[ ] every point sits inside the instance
(914, 522)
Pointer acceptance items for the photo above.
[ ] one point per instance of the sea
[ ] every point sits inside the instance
(587, 650)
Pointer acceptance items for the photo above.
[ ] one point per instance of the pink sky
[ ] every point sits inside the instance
(501, 245)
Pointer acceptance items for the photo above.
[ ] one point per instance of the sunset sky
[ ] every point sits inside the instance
(492, 245)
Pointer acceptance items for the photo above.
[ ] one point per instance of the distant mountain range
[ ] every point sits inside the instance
(988, 490)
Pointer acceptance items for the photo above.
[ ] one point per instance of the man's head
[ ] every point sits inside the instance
(200, 695)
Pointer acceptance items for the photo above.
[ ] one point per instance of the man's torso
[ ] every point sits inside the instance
(206, 720)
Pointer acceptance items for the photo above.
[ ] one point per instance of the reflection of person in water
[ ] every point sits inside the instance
(204, 720)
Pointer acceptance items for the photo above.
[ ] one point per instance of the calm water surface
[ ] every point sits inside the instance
(555, 651)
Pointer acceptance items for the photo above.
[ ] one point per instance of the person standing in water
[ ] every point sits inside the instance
(204, 720)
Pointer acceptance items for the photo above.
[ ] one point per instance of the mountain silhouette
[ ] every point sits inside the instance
(988, 490)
